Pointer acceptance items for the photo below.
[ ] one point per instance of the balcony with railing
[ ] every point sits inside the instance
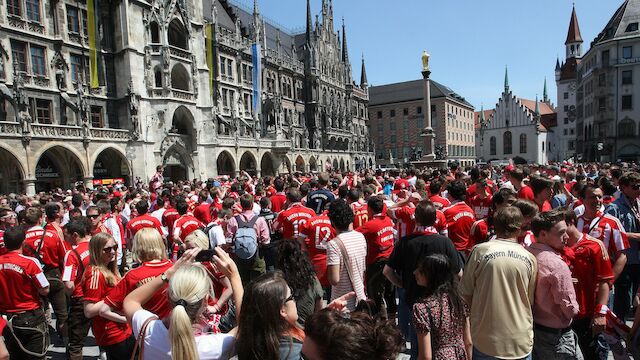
(9, 129)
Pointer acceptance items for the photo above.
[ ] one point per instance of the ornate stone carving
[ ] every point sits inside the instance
(170, 140)
(134, 105)
(60, 68)
(4, 56)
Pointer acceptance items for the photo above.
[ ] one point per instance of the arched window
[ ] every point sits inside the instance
(177, 35)
(155, 33)
(492, 145)
(158, 77)
(507, 147)
(523, 143)
(180, 78)
(627, 128)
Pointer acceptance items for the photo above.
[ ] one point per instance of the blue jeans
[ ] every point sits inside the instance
(477, 355)
(405, 325)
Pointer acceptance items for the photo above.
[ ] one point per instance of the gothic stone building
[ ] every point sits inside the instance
(96, 90)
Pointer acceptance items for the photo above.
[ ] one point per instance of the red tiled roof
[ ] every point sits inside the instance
(548, 115)
(573, 34)
(568, 70)
(487, 115)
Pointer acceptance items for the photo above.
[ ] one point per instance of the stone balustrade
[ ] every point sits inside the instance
(62, 132)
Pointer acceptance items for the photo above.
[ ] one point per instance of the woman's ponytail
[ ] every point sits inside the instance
(183, 342)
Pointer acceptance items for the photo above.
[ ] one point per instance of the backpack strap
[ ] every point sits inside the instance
(80, 263)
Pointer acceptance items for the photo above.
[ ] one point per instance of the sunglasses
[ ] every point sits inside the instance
(93, 216)
(113, 248)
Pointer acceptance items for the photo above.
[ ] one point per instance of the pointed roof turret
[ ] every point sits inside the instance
(557, 64)
(573, 35)
(309, 22)
(363, 75)
(345, 52)
(482, 120)
(545, 94)
(506, 79)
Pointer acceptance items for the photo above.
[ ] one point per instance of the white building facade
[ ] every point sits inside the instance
(517, 129)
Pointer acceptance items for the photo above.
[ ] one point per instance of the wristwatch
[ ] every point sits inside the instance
(164, 278)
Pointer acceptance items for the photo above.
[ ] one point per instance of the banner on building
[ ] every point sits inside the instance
(211, 61)
(93, 48)
(257, 78)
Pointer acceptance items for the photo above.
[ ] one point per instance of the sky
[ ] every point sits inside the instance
(470, 41)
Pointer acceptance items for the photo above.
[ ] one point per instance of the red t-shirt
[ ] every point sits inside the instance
(481, 207)
(202, 212)
(169, 218)
(290, 221)
(546, 206)
(439, 202)
(405, 220)
(319, 232)
(471, 190)
(360, 212)
(526, 193)
(20, 280)
(73, 270)
(479, 231)
(277, 201)
(143, 221)
(101, 229)
(460, 218)
(589, 267)
(95, 288)
(158, 304)
(185, 225)
(379, 234)
(52, 250)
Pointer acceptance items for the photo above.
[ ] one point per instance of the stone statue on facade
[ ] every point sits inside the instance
(134, 105)
(3, 56)
(60, 68)
(21, 101)
(305, 137)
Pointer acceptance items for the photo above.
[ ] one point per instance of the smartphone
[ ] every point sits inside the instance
(205, 255)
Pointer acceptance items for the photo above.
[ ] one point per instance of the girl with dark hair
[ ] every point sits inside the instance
(441, 317)
(267, 327)
(331, 334)
(299, 274)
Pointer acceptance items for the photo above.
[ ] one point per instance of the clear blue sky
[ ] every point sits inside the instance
(470, 41)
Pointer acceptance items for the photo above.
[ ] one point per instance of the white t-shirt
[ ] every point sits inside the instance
(157, 345)
(356, 246)
(216, 236)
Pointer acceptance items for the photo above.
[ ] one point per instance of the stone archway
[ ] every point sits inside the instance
(312, 164)
(226, 164)
(59, 167)
(177, 164)
(342, 165)
(11, 173)
(266, 165)
(335, 165)
(111, 164)
(248, 163)
(300, 164)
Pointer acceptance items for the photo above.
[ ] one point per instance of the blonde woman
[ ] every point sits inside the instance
(111, 330)
(189, 288)
(149, 251)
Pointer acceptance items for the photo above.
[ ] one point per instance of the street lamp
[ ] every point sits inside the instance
(427, 132)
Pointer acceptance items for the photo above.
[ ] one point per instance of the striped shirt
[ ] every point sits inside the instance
(607, 229)
(356, 246)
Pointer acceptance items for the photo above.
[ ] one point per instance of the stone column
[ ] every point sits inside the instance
(30, 186)
(88, 182)
(427, 132)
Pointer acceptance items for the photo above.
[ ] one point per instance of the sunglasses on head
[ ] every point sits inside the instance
(109, 249)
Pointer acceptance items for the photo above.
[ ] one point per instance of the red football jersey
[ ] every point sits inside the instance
(73, 270)
(169, 218)
(141, 222)
(20, 279)
(158, 304)
(202, 212)
(379, 233)
(277, 202)
(52, 250)
(479, 231)
(526, 193)
(607, 229)
(460, 218)
(405, 220)
(360, 212)
(101, 228)
(439, 202)
(185, 225)
(318, 232)
(481, 207)
(291, 220)
(95, 288)
(589, 267)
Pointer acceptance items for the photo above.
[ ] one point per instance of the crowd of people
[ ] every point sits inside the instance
(513, 262)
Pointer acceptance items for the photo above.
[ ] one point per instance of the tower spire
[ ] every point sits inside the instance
(345, 52)
(482, 120)
(309, 22)
(506, 79)
(363, 75)
(574, 39)
(545, 94)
